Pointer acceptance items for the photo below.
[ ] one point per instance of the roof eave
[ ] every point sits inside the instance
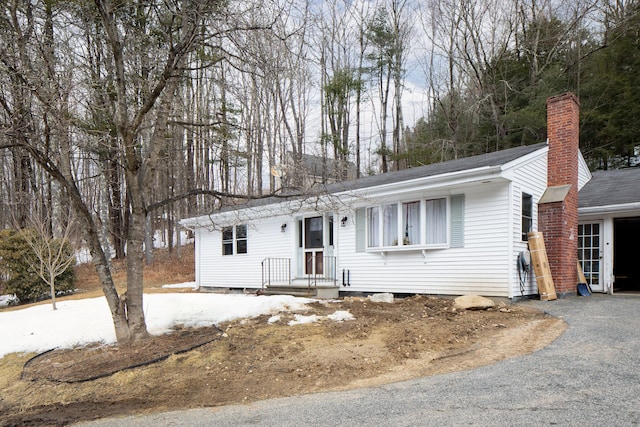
(440, 181)
(450, 179)
(610, 209)
(526, 158)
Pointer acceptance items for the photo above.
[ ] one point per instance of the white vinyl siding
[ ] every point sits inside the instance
(265, 240)
(584, 175)
(530, 178)
(483, 237)
(476, 266)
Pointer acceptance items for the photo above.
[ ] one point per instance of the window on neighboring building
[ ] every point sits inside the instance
(234, 237)
(400, 224)
(527, 215)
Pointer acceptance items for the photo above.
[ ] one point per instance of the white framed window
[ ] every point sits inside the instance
(373, 227)
(412, 224)
(234, 240)
(527, 216)
(436, 215)
(390, 225)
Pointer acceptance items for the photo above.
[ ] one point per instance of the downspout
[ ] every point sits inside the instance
(198, 244)
(510, 261)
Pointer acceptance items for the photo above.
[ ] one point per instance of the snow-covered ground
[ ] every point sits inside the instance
(7, 300)
(79, 322)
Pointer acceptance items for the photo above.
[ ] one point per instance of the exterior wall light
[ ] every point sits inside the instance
(343, 221)
(283, 227)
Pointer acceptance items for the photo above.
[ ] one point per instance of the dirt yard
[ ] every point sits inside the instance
(254, 359)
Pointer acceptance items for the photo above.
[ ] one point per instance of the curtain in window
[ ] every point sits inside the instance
(436, 211)
(390, 225)
(372, 227)
(411, 223)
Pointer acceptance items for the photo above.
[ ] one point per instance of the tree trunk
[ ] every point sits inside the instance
(52, 286)
(148, 239)
(131, 302)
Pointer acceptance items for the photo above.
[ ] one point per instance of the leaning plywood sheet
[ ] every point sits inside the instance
(546, 288)
(582, 278)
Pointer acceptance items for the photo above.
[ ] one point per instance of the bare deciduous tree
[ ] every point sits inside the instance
(54, 253)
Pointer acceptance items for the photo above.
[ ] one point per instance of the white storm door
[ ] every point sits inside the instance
(313, 245)
(590, 253)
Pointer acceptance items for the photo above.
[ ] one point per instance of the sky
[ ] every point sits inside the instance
(78, 322)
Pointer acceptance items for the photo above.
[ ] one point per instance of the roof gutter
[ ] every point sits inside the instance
(243, 214)
(606, 209)
(425, 183)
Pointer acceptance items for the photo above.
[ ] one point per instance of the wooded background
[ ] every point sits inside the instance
(174, 109)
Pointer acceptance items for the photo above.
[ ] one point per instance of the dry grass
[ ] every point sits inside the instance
(167, 268)
(254, 360)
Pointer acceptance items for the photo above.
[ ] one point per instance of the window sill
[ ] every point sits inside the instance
(408, 248)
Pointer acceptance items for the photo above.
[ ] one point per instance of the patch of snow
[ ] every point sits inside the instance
(82, 256)
(191, 285)
(274, 319)
(79, 322)
(299, 319)
(338, 316)
(341, 316)
(161, 237)
(7, 300)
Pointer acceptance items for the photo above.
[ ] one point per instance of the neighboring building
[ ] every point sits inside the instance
(453, 228)
(312, 171)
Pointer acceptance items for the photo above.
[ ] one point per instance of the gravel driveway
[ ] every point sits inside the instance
(590, 376)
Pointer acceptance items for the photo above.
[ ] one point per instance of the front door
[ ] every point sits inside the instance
(590, 253)
(313, 237)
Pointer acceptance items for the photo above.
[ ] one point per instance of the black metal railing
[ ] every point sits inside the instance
(318, 269)
(321, 269)
(276, 270)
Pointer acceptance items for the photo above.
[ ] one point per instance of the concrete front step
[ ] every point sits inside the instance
(303, 291)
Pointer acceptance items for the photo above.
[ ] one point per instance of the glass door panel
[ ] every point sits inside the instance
(313, 245)
(590, 253)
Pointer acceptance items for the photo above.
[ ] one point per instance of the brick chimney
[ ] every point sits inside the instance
(558, 207)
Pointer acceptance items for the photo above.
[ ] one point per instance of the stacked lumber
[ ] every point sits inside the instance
(540, 262)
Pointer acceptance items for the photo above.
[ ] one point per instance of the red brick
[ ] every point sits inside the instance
(559, 221)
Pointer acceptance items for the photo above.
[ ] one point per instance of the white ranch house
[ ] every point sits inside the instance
(450, 228)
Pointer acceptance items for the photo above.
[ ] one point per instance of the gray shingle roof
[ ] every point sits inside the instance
(611, 187)
(497, 158)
